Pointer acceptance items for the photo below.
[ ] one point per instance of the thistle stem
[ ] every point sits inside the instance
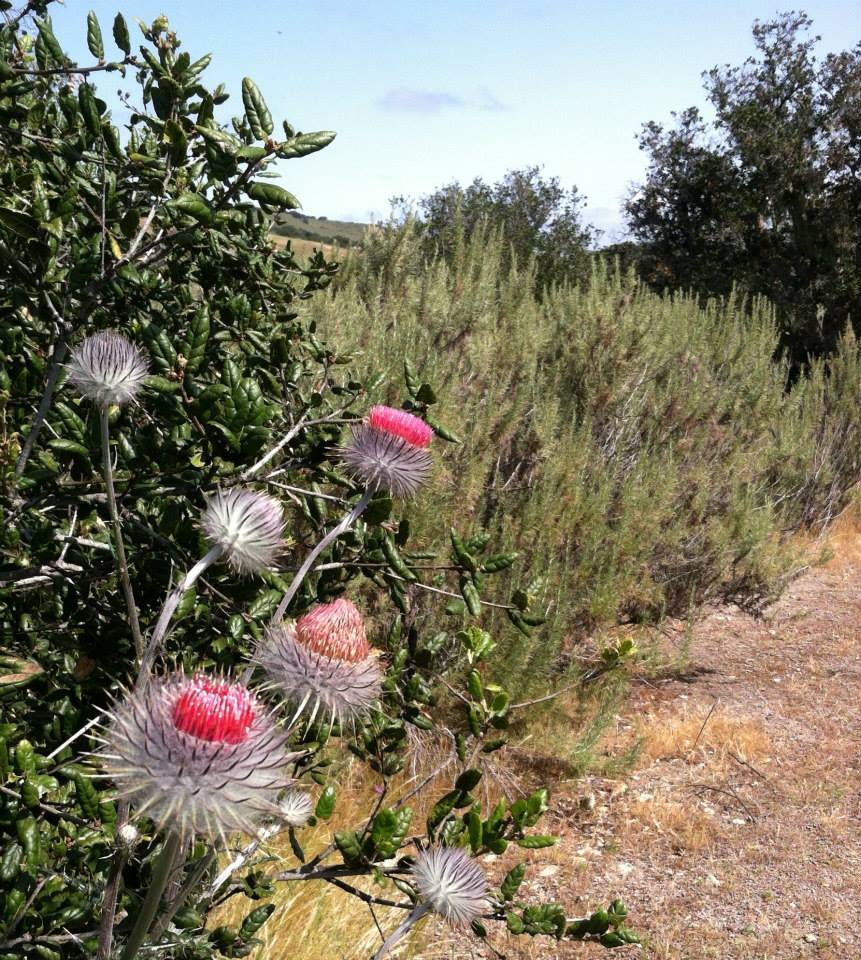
(160, 875)
(192, 880)
(167, 611)
(122, 564)
(416, 915)
(332, 535)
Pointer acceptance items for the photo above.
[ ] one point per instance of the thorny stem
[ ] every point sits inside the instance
(112, 890)
(160, 876)
(331, 536)
(122, 564)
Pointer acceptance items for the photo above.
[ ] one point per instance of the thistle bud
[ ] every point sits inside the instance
(451, 883)
(296, 808)
(323, 662)
(107, 369)
(389, 451)
(199, 754)
(247, 525)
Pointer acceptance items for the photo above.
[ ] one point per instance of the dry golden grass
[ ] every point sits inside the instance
(713, 737)
(302, 926)
(306, 248)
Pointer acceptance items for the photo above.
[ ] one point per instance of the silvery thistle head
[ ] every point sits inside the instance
(388, 451)
(107, 369)
(452, 883)
(296, 808)
(200, 755)
(323, 662)
(247, 525)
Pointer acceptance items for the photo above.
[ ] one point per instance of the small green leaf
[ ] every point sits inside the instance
(326, 804)
(536, 843)
(305, 143)
(95, 44)
(121, 34)
(256, 112)
(272, 195)
(20, 223)
(194, 205)
(512, 881)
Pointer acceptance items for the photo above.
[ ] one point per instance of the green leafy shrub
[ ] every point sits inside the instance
(161, 233)
(641, 454)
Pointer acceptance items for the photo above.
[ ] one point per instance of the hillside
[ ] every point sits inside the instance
(300, 226)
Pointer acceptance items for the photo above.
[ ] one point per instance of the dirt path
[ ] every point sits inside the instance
(738, 834)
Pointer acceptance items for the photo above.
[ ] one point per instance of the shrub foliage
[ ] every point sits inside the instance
(644, 455)
(161, 231)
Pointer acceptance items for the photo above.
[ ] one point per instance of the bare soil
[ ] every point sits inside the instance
(737, 835)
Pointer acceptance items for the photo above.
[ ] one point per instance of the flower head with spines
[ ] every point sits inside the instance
(198, 754)
(107, 368)
(247, 525)
(388, 451)
(452, 883)
(323, 663)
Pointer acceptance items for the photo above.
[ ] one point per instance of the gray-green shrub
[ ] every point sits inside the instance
(644, 454)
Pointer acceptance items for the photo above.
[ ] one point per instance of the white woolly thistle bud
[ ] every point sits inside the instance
(107, 368)
(452, 884)
(296, 808)
(323, 662)
(388, 451)
(199, 754)
(247, 525)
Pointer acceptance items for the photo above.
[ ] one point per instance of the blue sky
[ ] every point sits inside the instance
(425, 93)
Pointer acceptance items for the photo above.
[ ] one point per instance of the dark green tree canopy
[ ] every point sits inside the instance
(537, 215)
(767, 196)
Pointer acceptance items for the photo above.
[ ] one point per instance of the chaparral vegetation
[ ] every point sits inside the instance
(315, 574)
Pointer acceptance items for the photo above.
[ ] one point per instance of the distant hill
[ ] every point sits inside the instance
(300, 226)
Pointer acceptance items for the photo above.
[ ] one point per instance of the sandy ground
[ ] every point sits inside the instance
(738, 832)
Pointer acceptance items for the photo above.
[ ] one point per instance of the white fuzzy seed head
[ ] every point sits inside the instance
(452, 883)
(296, 808)
(199, 754)
(107, 369)
(247, 525)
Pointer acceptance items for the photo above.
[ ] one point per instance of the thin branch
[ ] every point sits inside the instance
(61, 348)
(367, 897)
(22, 910)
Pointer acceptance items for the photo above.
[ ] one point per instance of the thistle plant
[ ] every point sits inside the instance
(323, 663)
(123, 834)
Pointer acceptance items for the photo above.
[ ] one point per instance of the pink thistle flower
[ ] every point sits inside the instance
(389, 451)
(323, 662)
(401, 424)
(107, 368)
(334, 630)
(247, 525)
(452, 884)
(199, 754)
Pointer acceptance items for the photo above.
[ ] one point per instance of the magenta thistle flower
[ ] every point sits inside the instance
(247, 525)
(323, 662)
(107, 368)
(389, 452)
(452, 883)
(199, 754)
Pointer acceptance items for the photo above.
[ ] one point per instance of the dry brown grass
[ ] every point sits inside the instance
(714, 738)
(306, 248)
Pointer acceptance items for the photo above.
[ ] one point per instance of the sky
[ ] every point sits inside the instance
(423, 93)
